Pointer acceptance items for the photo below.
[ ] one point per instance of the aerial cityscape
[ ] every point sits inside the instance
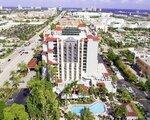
(74, 60)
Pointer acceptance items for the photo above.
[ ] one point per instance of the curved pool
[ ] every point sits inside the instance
(96, 108)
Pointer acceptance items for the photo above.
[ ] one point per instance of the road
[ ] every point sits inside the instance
(141, 97)
(138, 92)
(16, 57)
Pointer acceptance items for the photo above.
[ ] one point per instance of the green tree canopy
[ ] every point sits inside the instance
(53, 26)
(87, 115)
(120, 112)
(126, 97)
(41, 35)
(70, 116)
(42, 103)
(22, 67)
(111, 55)
(2, 106)
(15, 112)
(147, 84)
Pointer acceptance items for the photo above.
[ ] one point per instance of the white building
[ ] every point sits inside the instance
(1, 7)
(19, 7)
(142, 56)
(86, 15)
(73, 50)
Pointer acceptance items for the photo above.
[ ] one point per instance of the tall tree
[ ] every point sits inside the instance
(15, 78)
(87, 115)
(147, 84)
(111, 55)
(53, 26)
(2, 106)
(42, 103)
(120, 112)
(15, 112)
(126, 97)
(6, 85)
(70, 116)
(52, 70)
(23, 67)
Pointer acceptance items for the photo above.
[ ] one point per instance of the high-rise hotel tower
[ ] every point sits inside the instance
(73, 50)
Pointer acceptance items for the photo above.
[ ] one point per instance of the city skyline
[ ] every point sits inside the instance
(120, 4)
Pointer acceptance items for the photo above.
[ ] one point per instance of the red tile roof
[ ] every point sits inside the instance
(50, 50)
(32, 63)
(58, 28)
(44, 42)
(95, 38)
(47, 39)
(130, 110)
(106, 74)
(58, 81)
(81, 25)
(52, 62)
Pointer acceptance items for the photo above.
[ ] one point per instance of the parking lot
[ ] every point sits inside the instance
(19, 97)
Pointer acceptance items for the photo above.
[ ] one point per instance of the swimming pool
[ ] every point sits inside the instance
(96, 108)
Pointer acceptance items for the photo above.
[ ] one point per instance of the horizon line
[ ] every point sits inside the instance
(79, 7)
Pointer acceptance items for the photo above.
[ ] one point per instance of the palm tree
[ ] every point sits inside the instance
(67, 91)
(126, 97)
(6, 85)
(52, 71)
(70, 116)
(87, 115)
(39, 70)
(2, 95)
(12, 74)
(41, 35)
(15, 78)
(111, 96)
(23, 68)
(15, 85)
(120, 112)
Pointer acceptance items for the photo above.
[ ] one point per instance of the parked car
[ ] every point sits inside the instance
(26, 52)
(10, 101)
(9, 60)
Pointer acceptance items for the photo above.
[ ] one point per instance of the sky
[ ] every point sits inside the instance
(129, 4)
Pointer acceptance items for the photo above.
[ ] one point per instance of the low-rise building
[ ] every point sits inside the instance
(143, 60)
(144, 64)
(131, 113)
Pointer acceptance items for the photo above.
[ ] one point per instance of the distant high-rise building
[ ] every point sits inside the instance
(38, 8)
(60, 8)
(32, 7)
(19, 7)
(1, 7)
